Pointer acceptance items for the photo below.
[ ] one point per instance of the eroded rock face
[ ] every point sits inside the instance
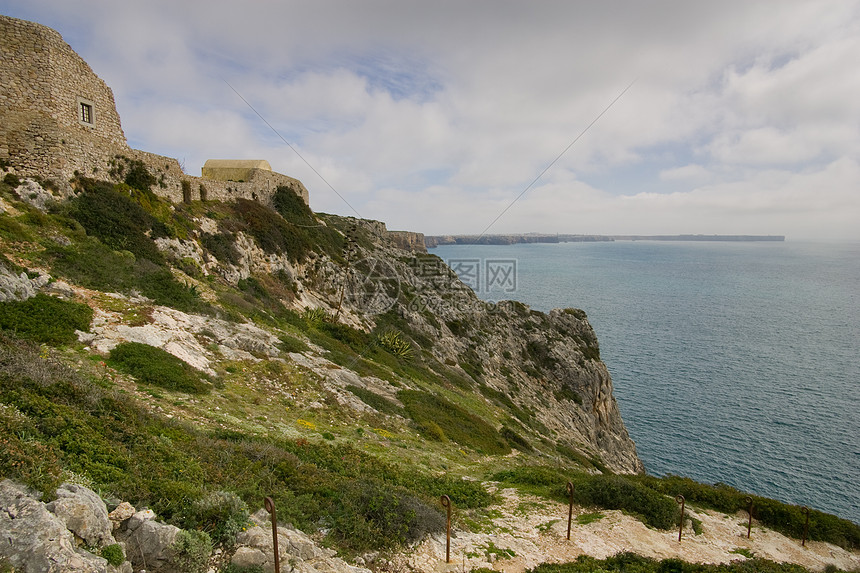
(19, 286)
(33, 539)
(83, 513)
(149, 545)
(297, 552)
(546, 364)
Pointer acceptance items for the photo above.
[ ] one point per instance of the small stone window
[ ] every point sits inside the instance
(86, 112)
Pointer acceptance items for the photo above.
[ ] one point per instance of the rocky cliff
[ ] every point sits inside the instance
(164, 353)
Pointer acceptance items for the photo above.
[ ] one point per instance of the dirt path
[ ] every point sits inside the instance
(524, 532)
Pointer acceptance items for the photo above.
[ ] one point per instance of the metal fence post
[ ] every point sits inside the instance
(805, 510)
(446, 503)
(269, 504)
(569, 507)
(749, 510)
(680, 499)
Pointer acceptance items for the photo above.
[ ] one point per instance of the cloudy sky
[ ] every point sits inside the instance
(437, 116)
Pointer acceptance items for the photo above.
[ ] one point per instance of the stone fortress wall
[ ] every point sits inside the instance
(58, 119)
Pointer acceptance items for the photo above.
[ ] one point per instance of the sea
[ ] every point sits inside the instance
(732, 362)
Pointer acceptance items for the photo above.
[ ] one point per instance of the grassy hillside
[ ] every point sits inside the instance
(353, 424)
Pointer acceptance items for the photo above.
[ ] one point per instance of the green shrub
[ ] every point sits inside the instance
(457, 424)
(620, 492)
(113, 553)
(222, 246)
(294, 210)
(45, 319)
(515, 440)
(221, 514)
(11, 180)
(118, 221)
(377, 402)
(605, 491)
(272, 233)
(134, 171)
(191, 552)
(151, 365)
(632, 563)
(371, 511)
(782, 517)
(291, 344)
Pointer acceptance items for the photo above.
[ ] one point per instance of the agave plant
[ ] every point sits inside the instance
(392, 341)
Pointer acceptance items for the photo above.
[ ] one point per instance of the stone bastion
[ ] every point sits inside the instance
(58, 120)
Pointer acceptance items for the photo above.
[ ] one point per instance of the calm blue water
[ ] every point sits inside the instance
(732, 362)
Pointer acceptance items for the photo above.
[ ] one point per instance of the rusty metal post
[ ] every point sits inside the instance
(680, 499)
(270, 507)
(749, 510)
(805, 510)
(446, 503)
(569, 508)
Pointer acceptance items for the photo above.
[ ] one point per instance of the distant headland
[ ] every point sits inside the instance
(434, 241)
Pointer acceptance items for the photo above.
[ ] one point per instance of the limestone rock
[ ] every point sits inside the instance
(297, 551)
(149, 544)
(120, 514)
(31, 192)
(83, 513)
(19, 287)
(37, 541)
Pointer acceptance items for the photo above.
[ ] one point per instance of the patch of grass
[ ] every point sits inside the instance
(113, 554)
(53, 421)
(151, 365)
(45, 319)
(92, 264)
(377, 402)
(586, 518)
(292, 344)
(605, 491)
(632, 563)
(457, 424)
(544, 527)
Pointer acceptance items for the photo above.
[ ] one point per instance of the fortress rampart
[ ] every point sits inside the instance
(58, 119)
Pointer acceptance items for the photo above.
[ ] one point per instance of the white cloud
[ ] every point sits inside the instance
(435, 116)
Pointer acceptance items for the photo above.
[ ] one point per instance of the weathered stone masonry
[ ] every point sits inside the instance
(59, 119)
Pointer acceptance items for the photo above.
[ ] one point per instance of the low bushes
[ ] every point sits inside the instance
(377, 402)
(632, 563)
(371, 511)
(785, 518)
(45, 319)
(430, 412)
(92, 264)
(220, 514)
(605, 491)
(117, 220)
(151, 365)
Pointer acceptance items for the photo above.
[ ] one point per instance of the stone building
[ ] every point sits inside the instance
(58, 119)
